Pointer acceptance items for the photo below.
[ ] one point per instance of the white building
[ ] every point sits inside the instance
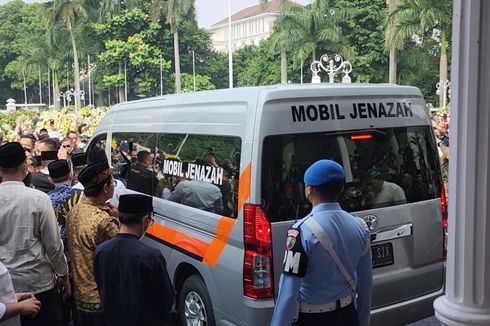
(249, 26)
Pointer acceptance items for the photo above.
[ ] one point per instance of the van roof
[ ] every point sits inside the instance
(252, 95)
(292, 90)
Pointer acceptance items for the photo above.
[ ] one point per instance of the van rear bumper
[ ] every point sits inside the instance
(407, 311)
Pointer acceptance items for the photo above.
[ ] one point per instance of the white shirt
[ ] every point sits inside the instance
(7, 295)
(118, 191)
(198, 194)
(390, 194)
(30, 242)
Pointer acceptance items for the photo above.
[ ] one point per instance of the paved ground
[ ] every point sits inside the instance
(426, 322)
(431, 321)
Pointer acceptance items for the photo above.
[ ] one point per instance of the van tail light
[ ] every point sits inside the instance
(444, 221)
(257, 268)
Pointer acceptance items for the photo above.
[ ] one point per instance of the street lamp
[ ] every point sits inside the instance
(230, 50)
(161, 75)
(68, 94)
(90, 66)
(331, 68)
(193, 50)
(62, 95)
(445, 88)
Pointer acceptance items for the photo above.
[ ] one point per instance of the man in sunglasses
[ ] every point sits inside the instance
(147, 294)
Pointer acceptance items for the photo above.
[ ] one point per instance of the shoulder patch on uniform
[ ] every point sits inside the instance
(290, 242)
(293, 233)
(295, 259)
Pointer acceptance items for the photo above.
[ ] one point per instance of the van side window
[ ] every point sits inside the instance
(98, 143)
(383, 168)
(134, 160)
(200, 171)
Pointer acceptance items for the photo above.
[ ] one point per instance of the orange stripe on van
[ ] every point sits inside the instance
(244, 187)
(194, 246)
(212, 251)
(216, 247)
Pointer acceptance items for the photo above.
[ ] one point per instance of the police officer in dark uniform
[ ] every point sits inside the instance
(132, 278)
(327, 272)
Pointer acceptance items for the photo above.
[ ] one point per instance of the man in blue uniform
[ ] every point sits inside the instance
(327, 272)
(132, 278)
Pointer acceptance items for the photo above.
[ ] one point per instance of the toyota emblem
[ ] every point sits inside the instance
(371, 221)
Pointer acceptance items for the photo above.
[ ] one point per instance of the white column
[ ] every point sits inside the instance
(467, 299)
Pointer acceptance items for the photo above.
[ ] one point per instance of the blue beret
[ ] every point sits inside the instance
(322, 172)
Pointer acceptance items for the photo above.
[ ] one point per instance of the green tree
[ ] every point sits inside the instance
(256, 66)
(316, 27)
(19, 28)
(69, 12)
(207, 61)
(110, 8)
(409, 18)
(417, 66)
(281, 43)
(203, 83)
(131, 38)
(175, 11)
(363, 30)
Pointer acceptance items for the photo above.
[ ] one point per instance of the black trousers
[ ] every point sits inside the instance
(69, 310)
(346, 316)
(50, 314)
(92, 319)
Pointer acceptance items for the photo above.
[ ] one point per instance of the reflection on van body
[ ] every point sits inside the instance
(384, 168)
(195, 170)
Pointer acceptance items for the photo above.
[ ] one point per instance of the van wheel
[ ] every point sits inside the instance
(195, 306)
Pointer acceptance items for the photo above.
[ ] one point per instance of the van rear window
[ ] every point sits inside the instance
(383, 167)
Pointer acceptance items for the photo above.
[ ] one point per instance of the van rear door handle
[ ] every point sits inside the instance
(395, 233)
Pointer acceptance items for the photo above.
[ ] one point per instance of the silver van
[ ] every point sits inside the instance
(225, 169)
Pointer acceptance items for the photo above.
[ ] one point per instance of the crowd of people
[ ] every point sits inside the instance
(59, 204)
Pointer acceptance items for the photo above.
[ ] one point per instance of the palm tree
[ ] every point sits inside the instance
(415, 17)
(279, 42)
(68, 12)
(46, 52)
(312, 29)
(111, 8)
(175, 11)
(303, 31)
(392, 58)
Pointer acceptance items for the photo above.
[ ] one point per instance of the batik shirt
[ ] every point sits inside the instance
(64, 198)
(88, 225)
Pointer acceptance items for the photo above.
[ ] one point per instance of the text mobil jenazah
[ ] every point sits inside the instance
(359, 110)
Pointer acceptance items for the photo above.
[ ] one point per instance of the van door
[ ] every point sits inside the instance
(393, 181)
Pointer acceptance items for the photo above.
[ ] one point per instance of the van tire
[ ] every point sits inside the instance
(195, 306)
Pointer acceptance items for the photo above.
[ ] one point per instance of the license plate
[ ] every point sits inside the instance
(382, 255)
